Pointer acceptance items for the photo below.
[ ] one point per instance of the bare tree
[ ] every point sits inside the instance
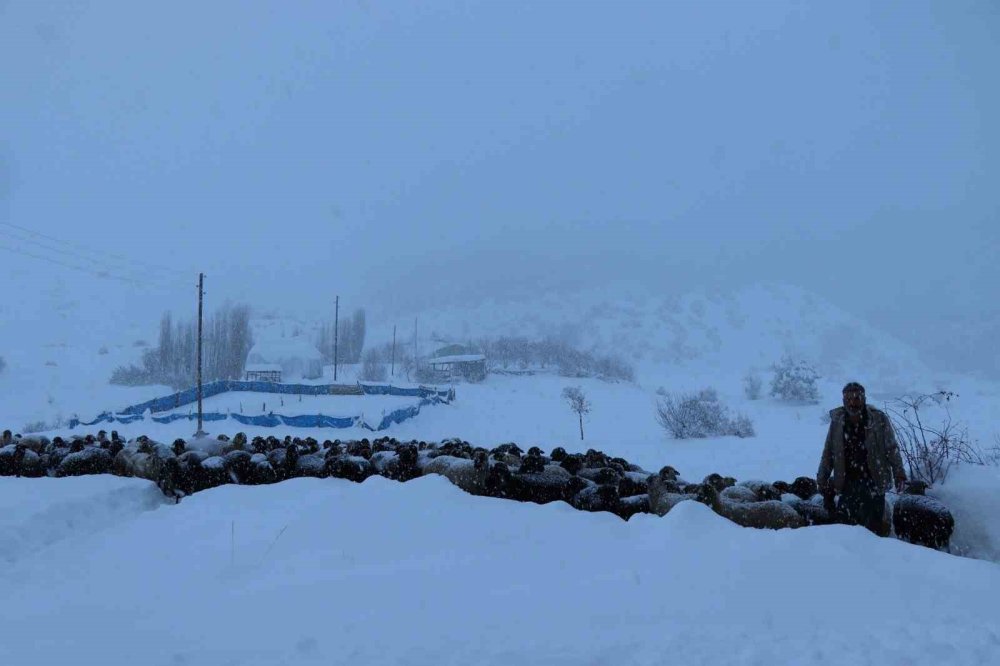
(372, 367)
(577, 402)
(228, 339)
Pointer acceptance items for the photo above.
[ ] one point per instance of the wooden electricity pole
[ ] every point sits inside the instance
(201, 298)
(392, 372)
(336, 332)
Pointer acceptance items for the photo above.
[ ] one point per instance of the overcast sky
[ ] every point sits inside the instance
(452, 149)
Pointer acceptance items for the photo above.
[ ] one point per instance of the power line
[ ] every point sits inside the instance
(80, 246)
(96, 273)
(129, 275)
(58, 263)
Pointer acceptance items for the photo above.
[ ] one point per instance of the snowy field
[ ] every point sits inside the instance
(255, 404)
(324, 571)
(101, 570)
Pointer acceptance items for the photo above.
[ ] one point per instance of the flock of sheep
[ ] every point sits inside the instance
(592, 481)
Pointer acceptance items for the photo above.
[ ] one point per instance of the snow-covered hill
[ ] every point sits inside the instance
(712, 331)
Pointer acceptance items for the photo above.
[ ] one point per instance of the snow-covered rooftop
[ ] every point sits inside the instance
(263, 367)
(458, 358)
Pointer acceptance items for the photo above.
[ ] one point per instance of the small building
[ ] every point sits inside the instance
(296, 357)
(455, 366)
(262, 372)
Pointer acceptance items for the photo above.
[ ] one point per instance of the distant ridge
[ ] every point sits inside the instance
(750, 327)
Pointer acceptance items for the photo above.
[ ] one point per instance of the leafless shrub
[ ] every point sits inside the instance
(700, 415)
(34, 426)
(929, 451)
(993, 453)
(43, 426)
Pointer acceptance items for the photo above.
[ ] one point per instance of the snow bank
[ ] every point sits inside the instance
(39, 513)
(324, 571)
(972, 494)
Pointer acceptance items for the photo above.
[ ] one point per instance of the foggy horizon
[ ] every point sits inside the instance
(432, 155)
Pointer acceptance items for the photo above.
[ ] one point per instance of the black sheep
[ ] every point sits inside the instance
(804, 487)
(238, 466)
(360, 449)
(261, 471)
(812, 513)
(88, 460)
(595, 458)
(922, 520)
(402, 466)
(352, 468)
(541, 484)
(19, 460)
(765, 491)
(532, 464)
(631, 505)
(633, 483)
(602, 476)
(499, 481)
(191, 475)
(597, 498)
(508, 448)
(572, 463)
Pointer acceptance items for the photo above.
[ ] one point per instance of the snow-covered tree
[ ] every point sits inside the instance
(752, 385)
(794, 381)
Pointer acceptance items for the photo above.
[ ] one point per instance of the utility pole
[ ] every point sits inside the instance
(336, 332)
(201, 298)
(392, 372)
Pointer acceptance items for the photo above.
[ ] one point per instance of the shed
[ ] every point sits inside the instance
(262, 372)
(471, 367)
(296, 357)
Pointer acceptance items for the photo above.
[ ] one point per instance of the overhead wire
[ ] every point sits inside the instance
(65, 265)
(90, 270)
(97, 252)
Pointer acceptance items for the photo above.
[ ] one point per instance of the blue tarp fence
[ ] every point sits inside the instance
(429, 395)
(190, 396)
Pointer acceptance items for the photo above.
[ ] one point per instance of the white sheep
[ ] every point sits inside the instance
(770, 514)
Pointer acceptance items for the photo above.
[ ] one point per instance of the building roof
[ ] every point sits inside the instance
(458, 358)
(262, 367)
(452, 350)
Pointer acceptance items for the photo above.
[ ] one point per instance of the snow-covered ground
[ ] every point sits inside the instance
(324, 571)
(255, 404)
(320, 571)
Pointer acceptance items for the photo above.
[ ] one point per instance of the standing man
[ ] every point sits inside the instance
(862, 455)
